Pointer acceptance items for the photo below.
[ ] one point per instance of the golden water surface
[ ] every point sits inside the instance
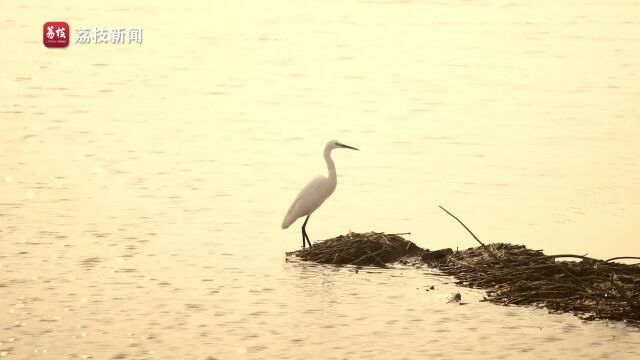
(142, 185)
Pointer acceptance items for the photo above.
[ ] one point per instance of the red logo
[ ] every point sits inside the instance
(55, 34)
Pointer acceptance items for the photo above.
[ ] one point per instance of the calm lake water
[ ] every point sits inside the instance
(142, 185)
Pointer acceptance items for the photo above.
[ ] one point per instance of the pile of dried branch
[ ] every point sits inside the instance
(513, 274)
(370, 248)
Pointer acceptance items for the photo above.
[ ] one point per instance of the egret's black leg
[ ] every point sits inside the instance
(304, 232)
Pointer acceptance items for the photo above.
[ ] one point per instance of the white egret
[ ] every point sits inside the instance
(315, 192)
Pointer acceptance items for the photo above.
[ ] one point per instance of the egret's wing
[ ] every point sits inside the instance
(309, 198)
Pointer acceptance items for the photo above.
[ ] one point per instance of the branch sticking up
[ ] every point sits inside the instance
(472, 234)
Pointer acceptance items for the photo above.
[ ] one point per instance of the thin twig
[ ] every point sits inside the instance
(472, 234)
(380, 262)
(570, 256)
(624, 257)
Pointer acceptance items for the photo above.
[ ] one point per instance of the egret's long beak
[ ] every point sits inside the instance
(347, 146)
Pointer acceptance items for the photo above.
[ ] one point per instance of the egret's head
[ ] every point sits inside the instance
(335, 144)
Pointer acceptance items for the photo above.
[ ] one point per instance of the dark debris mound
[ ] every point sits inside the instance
(511, 274)
(370, 248)
(590, 288)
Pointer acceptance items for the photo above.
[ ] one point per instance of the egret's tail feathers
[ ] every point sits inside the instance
(292, 214)
(288, 220)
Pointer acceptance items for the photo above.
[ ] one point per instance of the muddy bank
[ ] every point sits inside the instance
(511, 274)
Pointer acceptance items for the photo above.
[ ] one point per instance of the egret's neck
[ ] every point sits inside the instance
(331, 166)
